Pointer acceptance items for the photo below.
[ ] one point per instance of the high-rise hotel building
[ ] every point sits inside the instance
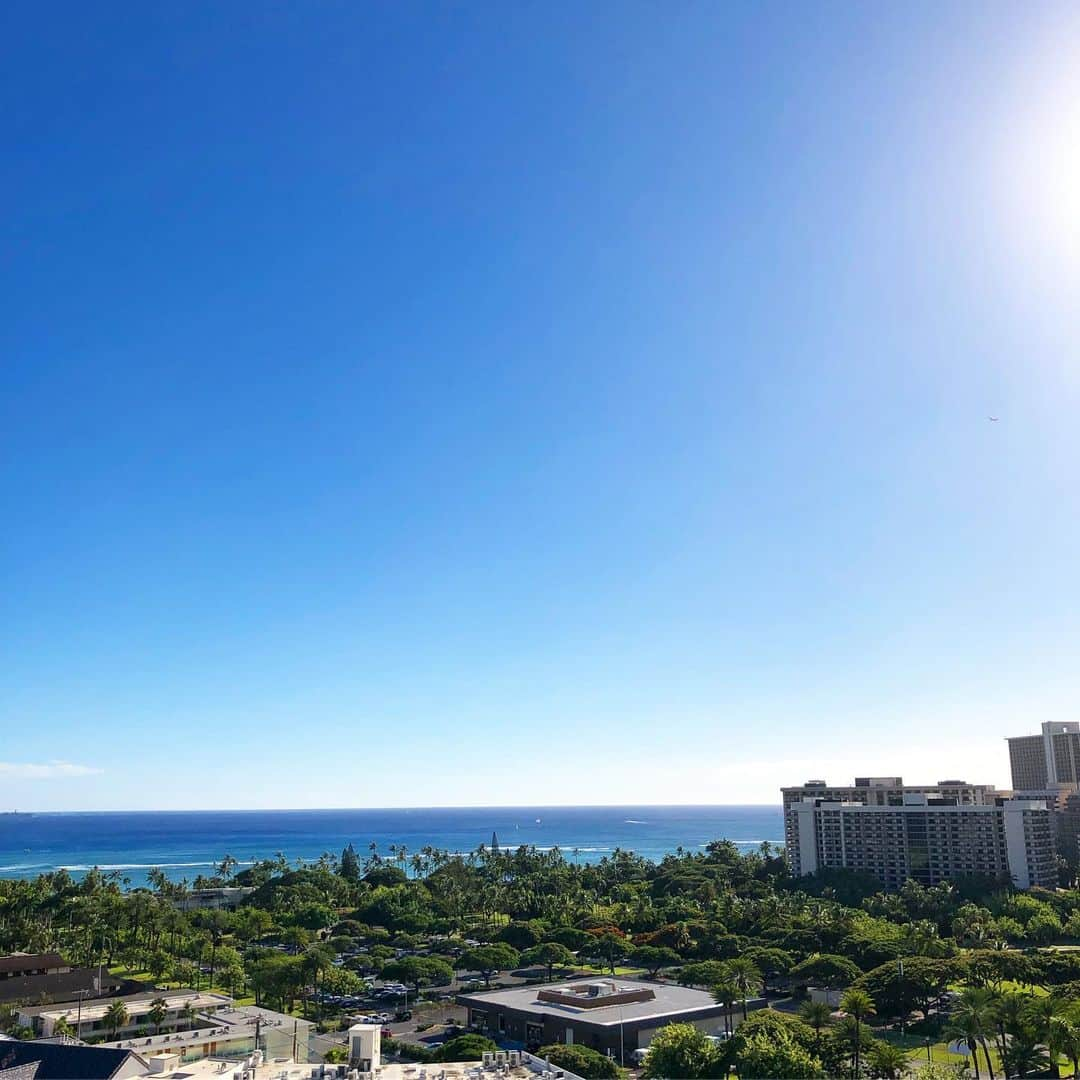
(928, 834)
(1046, 760)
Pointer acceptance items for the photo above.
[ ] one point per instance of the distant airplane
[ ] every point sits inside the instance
(992, 419)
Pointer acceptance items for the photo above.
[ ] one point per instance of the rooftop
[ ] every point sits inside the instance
(630, 1003)
(67, 1061)
(890, 782)
(136, 1004)
(215, 1068)
(63, 986)
(228, 1021)
(27, 961)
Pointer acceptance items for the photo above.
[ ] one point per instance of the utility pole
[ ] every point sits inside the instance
(78, 1021)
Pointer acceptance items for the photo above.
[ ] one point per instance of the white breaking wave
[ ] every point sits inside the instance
(773, 843)
(142, 866)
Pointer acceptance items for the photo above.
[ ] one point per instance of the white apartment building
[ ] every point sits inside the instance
(924, 837)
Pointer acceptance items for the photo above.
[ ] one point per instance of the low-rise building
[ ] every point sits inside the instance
(181, 1007)
(68, 1061)
(615, 1016)
(66, 986)
(224, 898)
(23, 965)
(229, 1031)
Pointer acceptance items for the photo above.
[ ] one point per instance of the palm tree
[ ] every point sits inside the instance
(818, 1015)
(886, 1061)
(63, 1027)
(158, 1012)
(188, 1014)
(1068, 1036)
(726, 993)
(1062, 1039)
(1023, 1057)
(317, 958)
(746, 978)
(1010, 1014)
(974, 1017)
(226, 867)
(858, 1004)
(116, 1016)
(1048, 1025)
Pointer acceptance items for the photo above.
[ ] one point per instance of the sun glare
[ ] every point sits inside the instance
(1040, 148)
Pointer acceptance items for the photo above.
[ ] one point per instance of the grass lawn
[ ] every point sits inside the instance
(939, 1051)
(1009, 986)
(130, 973)
(596, 969)
(144, 976)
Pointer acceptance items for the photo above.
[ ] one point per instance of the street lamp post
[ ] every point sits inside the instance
(622, 1042)
(101, 960)
(80, 994)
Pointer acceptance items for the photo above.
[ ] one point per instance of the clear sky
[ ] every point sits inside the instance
(410, 404)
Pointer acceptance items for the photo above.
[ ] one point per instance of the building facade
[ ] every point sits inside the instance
(612, 1016)
(1046, 760)
(923, 837)
(879, 791)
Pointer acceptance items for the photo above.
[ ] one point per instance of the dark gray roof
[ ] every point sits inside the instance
(67, 1062)
(31, 961)
(42, 989)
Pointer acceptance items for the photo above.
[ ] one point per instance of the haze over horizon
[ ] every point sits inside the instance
(425, 406)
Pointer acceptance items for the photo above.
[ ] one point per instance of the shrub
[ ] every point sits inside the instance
(582, 1060)
(463, 1048)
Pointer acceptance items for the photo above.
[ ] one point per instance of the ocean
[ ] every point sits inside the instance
(185, 844)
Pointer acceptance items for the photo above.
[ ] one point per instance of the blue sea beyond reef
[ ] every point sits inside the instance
(185, 844)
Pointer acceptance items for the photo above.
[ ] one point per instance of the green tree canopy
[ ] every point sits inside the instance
(826, 970)
(777, 1057)
(489, 959)
(680, 1050)
(654, 957)
(469, 1047)
(549, 954)
(583, 1061)
(419, 971)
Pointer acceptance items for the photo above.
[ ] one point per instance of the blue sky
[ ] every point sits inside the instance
(415, 404)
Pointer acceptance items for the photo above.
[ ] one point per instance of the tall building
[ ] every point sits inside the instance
(1044, 761)
(924, 836)
(880, 791)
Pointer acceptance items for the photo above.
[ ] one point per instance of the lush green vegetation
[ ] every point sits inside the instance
(583, 1061)
(973, 964)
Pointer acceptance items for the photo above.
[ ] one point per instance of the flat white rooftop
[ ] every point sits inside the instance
(668, 1000)
(223, 1069)
(136, 1004)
